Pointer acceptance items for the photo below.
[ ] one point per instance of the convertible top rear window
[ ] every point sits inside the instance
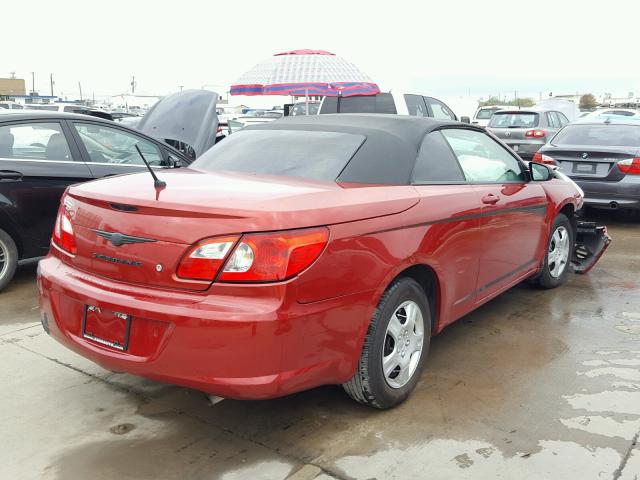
(312, 155)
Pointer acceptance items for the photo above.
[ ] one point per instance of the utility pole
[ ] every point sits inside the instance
(181, 87)
(33, 83)
(133, 84)
(80, 87)
(52, 82)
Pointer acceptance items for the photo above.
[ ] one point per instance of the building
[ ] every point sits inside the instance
(12, 86)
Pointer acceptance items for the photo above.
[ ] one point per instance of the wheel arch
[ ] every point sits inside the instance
(428, 279)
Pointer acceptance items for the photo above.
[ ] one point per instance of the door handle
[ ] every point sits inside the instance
(490, 199)
(10, 175)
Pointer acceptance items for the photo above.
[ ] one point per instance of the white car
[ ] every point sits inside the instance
(7, 106)
(59, 107)
(617, 112)
(484, 114)
(395, 103)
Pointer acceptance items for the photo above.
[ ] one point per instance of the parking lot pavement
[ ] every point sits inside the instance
(534, 385)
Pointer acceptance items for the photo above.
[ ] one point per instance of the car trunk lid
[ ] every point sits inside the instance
(595, 163)
(127, 230)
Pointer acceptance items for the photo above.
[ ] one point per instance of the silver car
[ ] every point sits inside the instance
(525, 131)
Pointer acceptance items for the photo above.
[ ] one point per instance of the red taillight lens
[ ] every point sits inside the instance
(64, 236)
(275, 256)
(205, 258)
(630, 166)
(542, 158)
(536, 133)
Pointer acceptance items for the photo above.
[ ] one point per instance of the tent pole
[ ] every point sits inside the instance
(306, 95)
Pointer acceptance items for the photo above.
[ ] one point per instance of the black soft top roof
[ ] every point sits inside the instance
(389, 152)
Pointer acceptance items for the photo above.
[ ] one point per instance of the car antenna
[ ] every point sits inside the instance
(156, 181)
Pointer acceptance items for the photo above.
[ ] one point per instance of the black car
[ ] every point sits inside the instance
(41, 153)
(603, 157)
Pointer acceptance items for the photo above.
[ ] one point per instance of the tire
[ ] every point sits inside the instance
(553, 274)
(404, 298)
(8, 259)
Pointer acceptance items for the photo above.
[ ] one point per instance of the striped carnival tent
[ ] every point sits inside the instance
(305, 73)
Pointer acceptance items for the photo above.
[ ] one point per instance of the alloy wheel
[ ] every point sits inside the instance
(403, 344)
(558, 255)
(4, 264)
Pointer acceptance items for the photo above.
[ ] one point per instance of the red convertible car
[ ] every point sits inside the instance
(313, 250)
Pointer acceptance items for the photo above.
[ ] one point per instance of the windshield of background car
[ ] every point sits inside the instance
(380, 103)
(603, 135)
(311, 155)
(514, 120)
(301, 109)
(485, 114)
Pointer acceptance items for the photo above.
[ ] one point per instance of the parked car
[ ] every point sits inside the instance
(525, 131)
(296, 254)
(391, 103)
(41, 153)
(602, 156)
(616, 112)
(484, 114)
(9, 105)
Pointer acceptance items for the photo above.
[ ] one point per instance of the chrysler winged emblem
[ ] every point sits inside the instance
(118, 239)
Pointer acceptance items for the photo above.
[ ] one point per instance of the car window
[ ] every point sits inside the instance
(435, 162)
(439, 109)
(514, 120)
(379, 103)
(17, 106)
(4, 105)
(416, 106)
(483, 159)
(112, 145)
(34, 141)
(312, 155)
(563, 119)
(485, 113)
(552, 120)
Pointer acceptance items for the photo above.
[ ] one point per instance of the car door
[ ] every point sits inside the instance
(37, 163)
(110, 150)
(452, 209)
(512, 226)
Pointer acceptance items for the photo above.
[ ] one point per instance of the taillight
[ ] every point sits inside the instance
(630, 166)
(205, 258)
(64, 236)
(542, 158)
(274, 256)
(536, 133)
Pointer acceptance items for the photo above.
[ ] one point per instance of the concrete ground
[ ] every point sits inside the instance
(534, 385)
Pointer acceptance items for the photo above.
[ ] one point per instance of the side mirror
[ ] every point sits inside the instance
(465, 119)
(173, 162)
(540, 172)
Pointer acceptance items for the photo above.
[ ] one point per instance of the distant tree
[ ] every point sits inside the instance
(522, 102)
(587, 101)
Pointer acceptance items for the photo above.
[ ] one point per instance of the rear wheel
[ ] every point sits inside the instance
(557, 261)
(395, 347)
(8, 259)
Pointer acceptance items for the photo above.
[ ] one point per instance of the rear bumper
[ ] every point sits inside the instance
(242, 346)
(621, 194)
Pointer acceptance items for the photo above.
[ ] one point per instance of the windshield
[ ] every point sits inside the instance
(379, 103)
(310, 155)
(514, 120)
(603, 135)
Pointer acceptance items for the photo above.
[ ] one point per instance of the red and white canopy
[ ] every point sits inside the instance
(305, 72)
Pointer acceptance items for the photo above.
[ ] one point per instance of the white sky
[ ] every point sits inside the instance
(443, 48)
